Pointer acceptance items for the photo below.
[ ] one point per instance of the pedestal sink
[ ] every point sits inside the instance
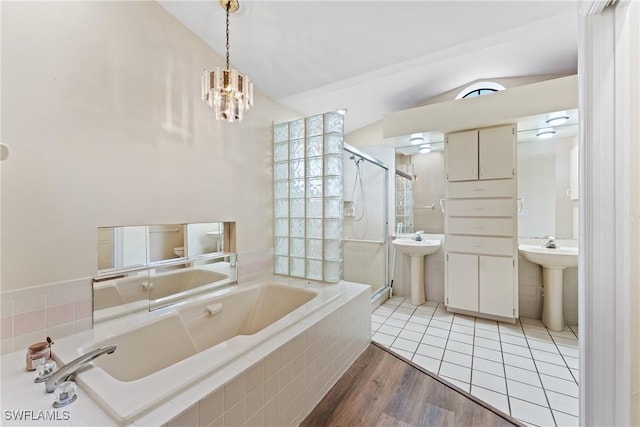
(553, 262)
(417, 251)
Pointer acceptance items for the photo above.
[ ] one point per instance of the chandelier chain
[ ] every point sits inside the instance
(228, 7)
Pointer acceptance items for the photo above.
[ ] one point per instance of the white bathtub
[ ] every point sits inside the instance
(169, 350)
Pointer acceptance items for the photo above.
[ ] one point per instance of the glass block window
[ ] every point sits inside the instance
(307, 173)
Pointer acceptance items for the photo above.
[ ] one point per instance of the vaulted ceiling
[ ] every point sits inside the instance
(375, 57)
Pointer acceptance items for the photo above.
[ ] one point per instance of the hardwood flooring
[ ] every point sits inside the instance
(382, 389)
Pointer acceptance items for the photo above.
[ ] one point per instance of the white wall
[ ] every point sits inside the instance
(102, 114)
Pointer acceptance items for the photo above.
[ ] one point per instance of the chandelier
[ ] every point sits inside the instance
(227, 91)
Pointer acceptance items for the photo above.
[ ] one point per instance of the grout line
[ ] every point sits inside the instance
(504, 368)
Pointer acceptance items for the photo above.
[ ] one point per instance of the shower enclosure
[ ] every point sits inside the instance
(366, 220)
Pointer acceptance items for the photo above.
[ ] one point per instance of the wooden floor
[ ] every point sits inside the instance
(383, 390)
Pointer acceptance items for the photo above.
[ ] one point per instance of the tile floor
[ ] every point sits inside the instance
(524, 370)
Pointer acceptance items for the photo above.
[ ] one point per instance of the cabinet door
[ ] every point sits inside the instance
(496, 286)
(462, 156)
(497, 152)
(462, 281)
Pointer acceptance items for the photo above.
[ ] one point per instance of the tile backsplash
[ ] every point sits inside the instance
(56, 310)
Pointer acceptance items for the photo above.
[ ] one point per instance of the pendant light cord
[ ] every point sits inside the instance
(228, 7)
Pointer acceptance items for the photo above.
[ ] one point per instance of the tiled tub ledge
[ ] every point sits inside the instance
(277, 382)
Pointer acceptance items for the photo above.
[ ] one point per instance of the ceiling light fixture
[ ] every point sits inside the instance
(416, 139)
(342, 111)
(546, 133)
(227, 91)
(425, 149)
(555, 121)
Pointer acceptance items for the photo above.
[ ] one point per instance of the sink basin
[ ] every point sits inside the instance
(551, 258)
(416, 248)
(553, 262)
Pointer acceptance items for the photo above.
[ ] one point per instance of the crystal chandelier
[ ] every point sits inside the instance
(227, 91)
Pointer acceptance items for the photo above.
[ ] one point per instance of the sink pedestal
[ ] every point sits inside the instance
(417, 280)
(552, 311)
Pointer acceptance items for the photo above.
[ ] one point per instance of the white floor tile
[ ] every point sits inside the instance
(454, 371)
(383, 311)
(463, 329)
(443, 316)
(572, 362)
(576, 375)
(406, 354)
(460, 347)
(430, 351)
(486, 343)
(563, 403)
(568, 351)
(434, 341)
(400, 316)
(460, 384)
(554, 370)
(543, 346)
(435, 323)
(514, 340)
(420, 320)
(567, 342)
(497, 400)
(375, 326)
(485, 353)
(383, 339)
(513, 330)
(565, 420)
(405, 309)
(457, 358)
(461, 319)
(569, 388)
(519, 361)
(488, 325)
(527, 392)
(545, 356)
(488, 381)
(530, 321)
(404, 344)
(528, 329)
(377, 318)
(544, 337)
(494, 368)
(395, 322)
(529, 412)
(460, 337)
(415, 327)
(515, 349)
(410, 335)
(436, 332)
(522, 375)
(389, 330)
(490, 335)
(428, 363)
(565, 333)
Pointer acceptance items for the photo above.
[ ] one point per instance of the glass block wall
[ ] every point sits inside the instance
(308, 191)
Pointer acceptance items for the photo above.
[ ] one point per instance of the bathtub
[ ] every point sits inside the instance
(171, 349)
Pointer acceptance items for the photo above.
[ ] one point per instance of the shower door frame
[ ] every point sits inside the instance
(385, 234)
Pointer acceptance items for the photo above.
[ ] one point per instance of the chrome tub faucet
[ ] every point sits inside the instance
(72, 367)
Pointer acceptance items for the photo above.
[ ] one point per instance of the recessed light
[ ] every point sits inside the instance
(425, 149)
(342, 111)
(546, 133)
(555, 121)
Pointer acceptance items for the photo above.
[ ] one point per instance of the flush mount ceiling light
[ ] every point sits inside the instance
(545, 133)
(555, 121)
(425, 149)
(227, 91)
(416, 139)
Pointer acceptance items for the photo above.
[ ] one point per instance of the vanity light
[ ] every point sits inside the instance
(416, 139)
(227, 91)
(556, 121)
(546, 133)
(425, 149)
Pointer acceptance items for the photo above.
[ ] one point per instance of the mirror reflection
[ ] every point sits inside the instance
(152, 266)
(547, 178)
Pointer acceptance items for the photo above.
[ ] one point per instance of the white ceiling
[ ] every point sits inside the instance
(375, 57)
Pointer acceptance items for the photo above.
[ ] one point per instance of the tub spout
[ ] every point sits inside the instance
(70, 368)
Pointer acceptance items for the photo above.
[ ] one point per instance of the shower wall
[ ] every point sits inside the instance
(365, 227)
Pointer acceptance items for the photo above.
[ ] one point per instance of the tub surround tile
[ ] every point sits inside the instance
(211, 407)
(28, 322)
(187, 418)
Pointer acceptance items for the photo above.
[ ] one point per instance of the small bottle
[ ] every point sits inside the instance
(38, 353)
